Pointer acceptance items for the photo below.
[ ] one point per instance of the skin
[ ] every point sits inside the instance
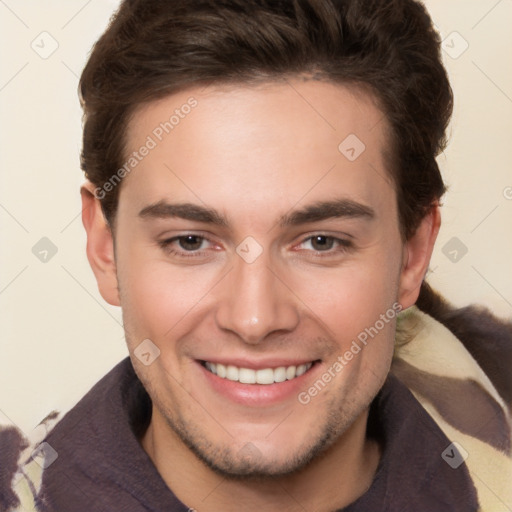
(254, 154)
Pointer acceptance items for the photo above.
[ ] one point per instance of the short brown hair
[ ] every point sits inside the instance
(154, 48)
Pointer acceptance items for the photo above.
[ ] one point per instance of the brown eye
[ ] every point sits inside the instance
(322, 243)
(190, 242)
(325, 245)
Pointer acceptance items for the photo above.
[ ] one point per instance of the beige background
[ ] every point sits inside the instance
(57, 336)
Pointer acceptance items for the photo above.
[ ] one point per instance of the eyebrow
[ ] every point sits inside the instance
(321, 210)
(187, 211)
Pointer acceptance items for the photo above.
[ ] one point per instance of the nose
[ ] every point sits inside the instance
(255, 301)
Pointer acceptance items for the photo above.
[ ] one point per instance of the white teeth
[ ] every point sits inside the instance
(231, 372)
(221, 370)
(211, 367)
(280, 374)
(300, 370)
(263, 376)
(247, 376)
(290, 372)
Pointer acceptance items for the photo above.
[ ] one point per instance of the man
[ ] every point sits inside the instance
(262, 202)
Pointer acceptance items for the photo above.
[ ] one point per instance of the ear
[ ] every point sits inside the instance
(416, 257)
(100, 245)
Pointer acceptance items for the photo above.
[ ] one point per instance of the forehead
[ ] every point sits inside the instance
(274, 143)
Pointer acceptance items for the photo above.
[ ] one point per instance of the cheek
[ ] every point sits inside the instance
(157, 298)
(350, 298)
(349, 301)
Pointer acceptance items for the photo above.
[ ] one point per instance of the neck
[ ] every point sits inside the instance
(332, 481)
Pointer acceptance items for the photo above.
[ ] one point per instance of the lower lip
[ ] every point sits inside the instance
(259, 394)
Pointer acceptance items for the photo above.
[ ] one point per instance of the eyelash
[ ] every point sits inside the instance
(343, 246)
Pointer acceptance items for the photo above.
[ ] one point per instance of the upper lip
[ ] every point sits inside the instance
(258, 364)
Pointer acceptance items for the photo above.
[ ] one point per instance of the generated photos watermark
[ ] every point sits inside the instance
(152, 141)
(305, 397)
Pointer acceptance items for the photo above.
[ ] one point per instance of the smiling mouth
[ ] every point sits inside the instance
(262, 376)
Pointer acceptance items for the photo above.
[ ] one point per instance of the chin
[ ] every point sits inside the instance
(258, 459)
(250, 464)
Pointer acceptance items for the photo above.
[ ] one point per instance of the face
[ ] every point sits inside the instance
(255, 252)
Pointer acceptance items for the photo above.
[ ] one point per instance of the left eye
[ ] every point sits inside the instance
(324, 243)
(190, 242)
